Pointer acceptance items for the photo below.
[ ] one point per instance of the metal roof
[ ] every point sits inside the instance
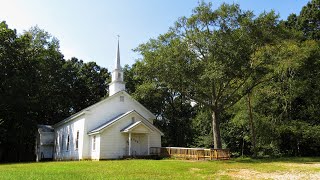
(45, 128)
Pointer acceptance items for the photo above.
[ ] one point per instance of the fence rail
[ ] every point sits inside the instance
(190, 153)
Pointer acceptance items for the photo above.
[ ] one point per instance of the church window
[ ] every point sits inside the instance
(77, 140)
(121, 98)
(68, 142)
(56, 142)
(62, 142)
(94, 143)
(119, 75)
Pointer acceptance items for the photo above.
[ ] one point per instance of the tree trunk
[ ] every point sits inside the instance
(253, 133)
(216, 130)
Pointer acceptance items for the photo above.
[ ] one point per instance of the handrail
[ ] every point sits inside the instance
(190, 153)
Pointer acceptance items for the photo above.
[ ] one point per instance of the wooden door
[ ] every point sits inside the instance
(136, 145)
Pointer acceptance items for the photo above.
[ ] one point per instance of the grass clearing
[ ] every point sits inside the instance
(283, 168)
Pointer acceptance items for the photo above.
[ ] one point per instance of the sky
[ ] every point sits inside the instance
(88, 29)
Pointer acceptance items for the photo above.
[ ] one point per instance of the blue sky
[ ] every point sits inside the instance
(88, 29)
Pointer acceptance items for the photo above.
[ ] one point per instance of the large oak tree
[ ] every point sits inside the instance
(208, 56)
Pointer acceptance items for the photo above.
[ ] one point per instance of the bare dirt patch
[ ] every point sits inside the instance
(194, 169)
(307, 165)
(251, 174)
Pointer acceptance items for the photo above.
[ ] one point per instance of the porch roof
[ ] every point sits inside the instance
(137, 127)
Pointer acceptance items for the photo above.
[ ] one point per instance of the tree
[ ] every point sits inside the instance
(17, 94)
(207, 57)
(309, 20)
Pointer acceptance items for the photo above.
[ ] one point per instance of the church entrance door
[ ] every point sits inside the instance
(136, 145)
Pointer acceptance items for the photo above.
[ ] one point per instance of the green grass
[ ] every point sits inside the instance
(306, 168)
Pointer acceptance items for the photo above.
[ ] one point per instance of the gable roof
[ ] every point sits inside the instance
(134, 125)
(108, 123)
(82, 112)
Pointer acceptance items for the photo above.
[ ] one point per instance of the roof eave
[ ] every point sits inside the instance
(70, 118)
(94, 133)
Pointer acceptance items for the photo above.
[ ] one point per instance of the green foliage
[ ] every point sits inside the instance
(203, 129)
(308, 21)
(279, 103)
(299, 138)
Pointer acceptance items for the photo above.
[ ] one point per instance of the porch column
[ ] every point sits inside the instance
(148, 145)
(129, 143)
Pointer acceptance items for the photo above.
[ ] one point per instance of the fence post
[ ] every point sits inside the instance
(197, 154)
(215, 154)
(218, 154)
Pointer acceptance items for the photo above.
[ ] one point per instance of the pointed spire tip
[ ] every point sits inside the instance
(118, 66)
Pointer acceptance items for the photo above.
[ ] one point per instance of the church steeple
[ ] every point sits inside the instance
(118, 66)
(117, 83)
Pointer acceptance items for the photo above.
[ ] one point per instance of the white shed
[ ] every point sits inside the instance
(44, 143)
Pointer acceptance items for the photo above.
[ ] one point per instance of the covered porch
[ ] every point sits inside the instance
(138, 139)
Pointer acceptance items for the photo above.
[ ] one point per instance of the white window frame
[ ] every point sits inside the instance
(94, 143)
(77, 140)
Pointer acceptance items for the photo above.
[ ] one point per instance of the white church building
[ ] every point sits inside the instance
(115, 127)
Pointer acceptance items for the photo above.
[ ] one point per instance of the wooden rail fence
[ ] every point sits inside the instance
(190, 153)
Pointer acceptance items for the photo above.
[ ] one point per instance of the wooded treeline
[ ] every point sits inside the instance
(38, 86)
(221, 78)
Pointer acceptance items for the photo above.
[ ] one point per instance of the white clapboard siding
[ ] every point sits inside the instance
(70, 129)
(115, 144)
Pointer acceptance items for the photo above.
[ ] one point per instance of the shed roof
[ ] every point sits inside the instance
(45, 128)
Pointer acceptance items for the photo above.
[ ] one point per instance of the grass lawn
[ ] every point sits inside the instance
(284, 168)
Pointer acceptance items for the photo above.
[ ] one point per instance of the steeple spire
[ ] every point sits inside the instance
(117, 83)
(118, 66)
